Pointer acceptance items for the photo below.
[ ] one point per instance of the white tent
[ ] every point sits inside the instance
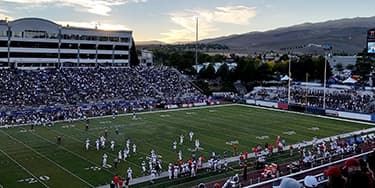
(285, 78)
(349, 81)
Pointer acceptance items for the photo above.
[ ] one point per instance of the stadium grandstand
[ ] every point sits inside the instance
(36, 43)
(74, 113)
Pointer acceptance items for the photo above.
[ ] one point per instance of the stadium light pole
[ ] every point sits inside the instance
(328, 49)
(196, 43)
(325, 78)
(290, 77)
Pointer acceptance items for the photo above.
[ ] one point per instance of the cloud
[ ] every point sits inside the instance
(100, 7)
(210, 21)
(4, 14)
(94, 24)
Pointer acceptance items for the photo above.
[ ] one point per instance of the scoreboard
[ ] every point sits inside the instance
(371, 41)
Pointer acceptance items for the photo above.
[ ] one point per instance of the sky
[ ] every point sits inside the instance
(174, 20)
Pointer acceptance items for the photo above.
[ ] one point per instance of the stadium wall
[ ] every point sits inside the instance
(313, 110)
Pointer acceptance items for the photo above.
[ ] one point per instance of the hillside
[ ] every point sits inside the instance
(346, 35)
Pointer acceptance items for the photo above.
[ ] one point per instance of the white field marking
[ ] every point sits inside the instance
(130, 114)
(165, 115)
(289, 132)
(212, 110)
(72, 152)
(190, 113)
(23, 168)
(93, 168)
(262, 137)
(25, 131)
(110, 154)
(105, 122)
(305, 114)
(232, 142)
(68, 126)
(314, 128)
(50, 160)
(34, 180)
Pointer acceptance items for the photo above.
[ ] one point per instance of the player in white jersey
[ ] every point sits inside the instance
(87, 144)
(97, 144)
(153, 175)
(197, 144)
(105, 160)
(112, 145)
(125, 154)
(128, 144)
(120, 155)
(175, 171)
(134, 115)
(191, 134)
(134, 148)
(170, 171)
(143, 167)
(180, 155)
(102, 140)
(181, 139)
(174, 145)
(130, 172)
(193, 170)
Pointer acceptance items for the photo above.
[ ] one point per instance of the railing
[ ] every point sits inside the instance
(307, 171)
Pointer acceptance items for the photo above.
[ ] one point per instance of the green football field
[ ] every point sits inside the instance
(32, 158)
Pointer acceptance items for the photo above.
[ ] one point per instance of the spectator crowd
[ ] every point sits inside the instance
(51, 94)
(336, 99)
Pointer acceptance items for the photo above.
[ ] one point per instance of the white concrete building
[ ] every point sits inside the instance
(37, 43)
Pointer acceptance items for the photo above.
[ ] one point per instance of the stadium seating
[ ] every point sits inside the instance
(64, 90)
(336, 99)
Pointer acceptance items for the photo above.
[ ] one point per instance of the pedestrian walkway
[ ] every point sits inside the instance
(251, 155)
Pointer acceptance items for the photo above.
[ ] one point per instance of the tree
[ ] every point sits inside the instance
(134, 61)
(223, 72)
(339, 67)
(350, 67)
(210, 72)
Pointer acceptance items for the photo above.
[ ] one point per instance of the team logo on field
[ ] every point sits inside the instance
(262, 137)
(289, 132)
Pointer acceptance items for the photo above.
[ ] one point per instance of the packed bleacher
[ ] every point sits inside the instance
(29, 96)
(336, 99)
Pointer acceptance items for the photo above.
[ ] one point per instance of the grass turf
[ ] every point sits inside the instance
(32, 154)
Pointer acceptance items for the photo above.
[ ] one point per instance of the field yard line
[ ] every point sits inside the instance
(306, 114)
(63, 168)
(92, 135)
(72, 152)
(95, 136)
(130, 114)
(204, 107)
(23, 168)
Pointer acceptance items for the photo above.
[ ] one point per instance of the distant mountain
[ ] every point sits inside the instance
(146, 43)
(346, 35)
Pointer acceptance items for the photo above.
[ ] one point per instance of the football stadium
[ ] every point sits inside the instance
(81, 107)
